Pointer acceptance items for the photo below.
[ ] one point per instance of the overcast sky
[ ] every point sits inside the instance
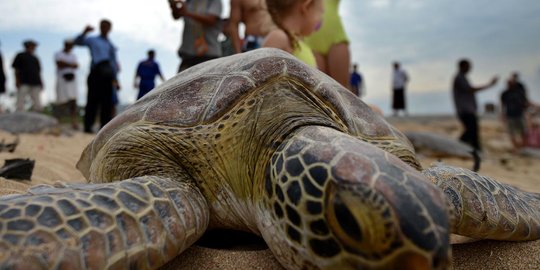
(426, 36)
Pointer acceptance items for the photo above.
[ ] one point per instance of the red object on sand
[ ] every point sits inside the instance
(533, 136)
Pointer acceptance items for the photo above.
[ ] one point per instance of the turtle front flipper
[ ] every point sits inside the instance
(138, 223)
(485, 208)
(331, 201)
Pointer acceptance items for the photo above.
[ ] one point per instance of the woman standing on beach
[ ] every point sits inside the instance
(295, 19)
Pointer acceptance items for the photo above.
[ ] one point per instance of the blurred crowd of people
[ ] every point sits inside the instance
(311, 30)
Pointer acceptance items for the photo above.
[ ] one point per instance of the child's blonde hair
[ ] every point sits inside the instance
(277, 8)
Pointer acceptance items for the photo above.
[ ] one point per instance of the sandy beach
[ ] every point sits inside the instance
(56, 157)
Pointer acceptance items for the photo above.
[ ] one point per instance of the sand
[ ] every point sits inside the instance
(56, 157)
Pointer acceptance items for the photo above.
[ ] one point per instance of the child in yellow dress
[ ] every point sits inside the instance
(295, 19)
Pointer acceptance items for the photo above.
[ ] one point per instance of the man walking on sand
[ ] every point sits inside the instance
(466, 105)
(514, 104)
(258, 23)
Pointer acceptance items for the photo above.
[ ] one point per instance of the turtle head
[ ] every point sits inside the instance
(340, 203)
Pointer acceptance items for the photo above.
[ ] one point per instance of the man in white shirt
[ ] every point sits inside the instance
(399, 83)
(66, 80)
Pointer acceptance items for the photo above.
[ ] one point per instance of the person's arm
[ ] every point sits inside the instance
(485, 86)
(503, 108)
(204, 19)
(175, 6)
(39, 73)
(81, 39)
(61, 64)
(405, 76)
(116, 66)
(235, 18)
(2, 74)
(526, 100)
(17, 79)
(159, 73)
(15, 66)
(136, 79)
(362, 86)
(278, 39)
(116, 82)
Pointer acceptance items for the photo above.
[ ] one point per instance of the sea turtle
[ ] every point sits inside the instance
(262, 143)
(436, 145)
(27, 122)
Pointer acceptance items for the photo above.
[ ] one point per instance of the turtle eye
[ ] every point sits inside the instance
(343, 222)
(361, 219)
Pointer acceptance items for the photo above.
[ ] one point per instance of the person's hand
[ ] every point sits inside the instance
(177, 4)
(494, 80)
(178, 8)
(116, 85)
(183, 9)
(88, 29)
(502, 118)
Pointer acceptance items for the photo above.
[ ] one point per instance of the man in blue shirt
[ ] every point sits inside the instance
(102, 79)
(146, 73)
(356, 82)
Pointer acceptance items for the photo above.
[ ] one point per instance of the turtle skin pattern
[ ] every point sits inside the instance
(262, 143)
(486, 209)
(334, 202)
(138, 224)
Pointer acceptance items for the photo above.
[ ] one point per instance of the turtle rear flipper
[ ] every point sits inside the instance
(138, 223)
(486, 209)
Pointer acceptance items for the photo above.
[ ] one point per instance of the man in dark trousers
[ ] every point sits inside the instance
(466, 105)
(2, 76)
(102, 79)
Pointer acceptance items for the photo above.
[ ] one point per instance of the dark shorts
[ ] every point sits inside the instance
(189, 61)
(516, 126)
(114, 97)
(252, 42)
(398, 101)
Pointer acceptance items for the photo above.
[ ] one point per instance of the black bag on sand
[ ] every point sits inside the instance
(17, 168)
